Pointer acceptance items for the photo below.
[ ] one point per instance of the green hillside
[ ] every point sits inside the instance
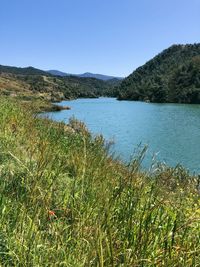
(30, 84)
(22, 71)
(171, 76)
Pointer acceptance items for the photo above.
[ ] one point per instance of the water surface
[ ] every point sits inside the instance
(170, 130)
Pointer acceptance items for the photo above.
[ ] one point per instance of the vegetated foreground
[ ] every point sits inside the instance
(66, 202)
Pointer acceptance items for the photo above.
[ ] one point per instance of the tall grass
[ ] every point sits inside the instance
(65, 202)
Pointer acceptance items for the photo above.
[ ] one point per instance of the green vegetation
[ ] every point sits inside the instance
(22, 71)
(30, 84)
(65, 202)
(172, 76)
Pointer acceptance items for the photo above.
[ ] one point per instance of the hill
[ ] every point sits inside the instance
(99, 76)
(22, 71)
(85, 75)
(58, 73)
(30, 83)
(171, 76)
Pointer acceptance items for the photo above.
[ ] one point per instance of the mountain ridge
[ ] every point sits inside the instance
(22, 70)
(172, 76)
(85, 75)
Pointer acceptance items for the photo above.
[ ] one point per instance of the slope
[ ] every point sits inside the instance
(171, 76)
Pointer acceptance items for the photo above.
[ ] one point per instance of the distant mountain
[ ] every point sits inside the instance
(99, 76)
(171, 76)
(57, 73)
(84, 75)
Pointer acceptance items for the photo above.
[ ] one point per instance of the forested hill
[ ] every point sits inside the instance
(22, 71)
(28, 83)
(171, 76)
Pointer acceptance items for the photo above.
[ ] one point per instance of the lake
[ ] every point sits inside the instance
(171, 131)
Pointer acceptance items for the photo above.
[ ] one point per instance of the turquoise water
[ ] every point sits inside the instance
(171, 131)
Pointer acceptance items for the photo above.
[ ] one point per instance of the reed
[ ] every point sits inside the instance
(64, 201)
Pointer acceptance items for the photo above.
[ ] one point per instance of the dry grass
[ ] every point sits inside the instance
(65, 202)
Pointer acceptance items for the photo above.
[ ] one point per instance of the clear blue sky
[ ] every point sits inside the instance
(101, 36)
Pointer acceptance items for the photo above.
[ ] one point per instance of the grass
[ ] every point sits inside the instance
(65, 202)
(13, 87)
